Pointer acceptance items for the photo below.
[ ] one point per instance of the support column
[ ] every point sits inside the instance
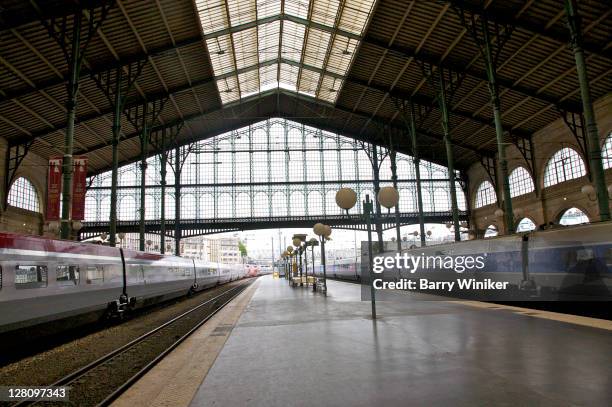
(377, 223)
(449, 156)
(144, 146)
(499, 131)
(115, 162)
(398, 235)
(177, 200)
(4, 149)
(163, 172)
(593, 147)
(417, 171)
(71, 105)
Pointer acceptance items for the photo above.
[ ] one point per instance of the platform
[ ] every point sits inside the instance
(293, 347)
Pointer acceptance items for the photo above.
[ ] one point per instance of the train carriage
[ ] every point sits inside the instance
(44, 281)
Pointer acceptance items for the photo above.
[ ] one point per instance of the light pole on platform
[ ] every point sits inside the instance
(323, 231)
(388, 197)
(312, 243)
(290, 255)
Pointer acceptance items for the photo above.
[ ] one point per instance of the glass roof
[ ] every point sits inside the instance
(305, 46)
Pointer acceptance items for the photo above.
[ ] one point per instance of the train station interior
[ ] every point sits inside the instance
(248, 160)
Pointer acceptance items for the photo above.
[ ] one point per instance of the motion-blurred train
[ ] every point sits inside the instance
(568, 263)
(53, 282)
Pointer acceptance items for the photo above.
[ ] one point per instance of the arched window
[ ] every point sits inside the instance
(23, 195)
(485, 195)
(525, 225)
(606, 152)
(573, 216)
(564, 165)
(520, 182)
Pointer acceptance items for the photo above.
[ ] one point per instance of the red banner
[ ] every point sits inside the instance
(79, 187)
(54, 188)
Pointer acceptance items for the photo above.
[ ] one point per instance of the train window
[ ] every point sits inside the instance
(212, 271)
(67, 275)
(95, 275)
(30, 276)
(584, 254)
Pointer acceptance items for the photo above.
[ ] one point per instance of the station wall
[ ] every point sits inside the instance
(550, 203)
(34, 169)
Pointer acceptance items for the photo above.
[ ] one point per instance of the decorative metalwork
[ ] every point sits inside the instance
(276, 170)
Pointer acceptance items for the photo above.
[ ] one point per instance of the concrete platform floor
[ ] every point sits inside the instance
(291, 347)
(281, 346)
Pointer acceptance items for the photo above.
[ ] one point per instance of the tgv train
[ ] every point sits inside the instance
(568, 263)
(48, 281)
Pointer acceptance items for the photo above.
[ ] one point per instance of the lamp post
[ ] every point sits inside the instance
(305, 246)
(323, 231)
(284, 258)
(388, 197)
(298, 240)
(312, 243)
(290, 255)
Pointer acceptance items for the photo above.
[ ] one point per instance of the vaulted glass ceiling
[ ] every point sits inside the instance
(305, 46)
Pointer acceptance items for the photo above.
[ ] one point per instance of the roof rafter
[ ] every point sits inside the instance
(407, 52)
(102, 113)
(273, 93)
(426, 101)
(536, 29)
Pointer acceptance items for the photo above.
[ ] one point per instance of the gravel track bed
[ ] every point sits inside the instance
(49, 366)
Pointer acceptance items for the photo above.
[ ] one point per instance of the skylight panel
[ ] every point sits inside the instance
(221, 54)
(268, 8)
(330, 87)
(309, 82)
(325, 11)
(241, 11)
(342, 52)
(268, 77)
(228, 89)
(297, 8)
(212, 15)
(268, 36)
(249, 83)
(316, 47)
(312, 60)
(288, 77)
(293, 41)
(355, 15)
(245, 48)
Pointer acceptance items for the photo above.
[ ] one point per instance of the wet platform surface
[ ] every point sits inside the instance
(292, 347)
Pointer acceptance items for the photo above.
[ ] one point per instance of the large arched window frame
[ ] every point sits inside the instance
(566, 164)
(485, 195)
(521, 182)
(606, 152)
(573, 216)
(23, 195)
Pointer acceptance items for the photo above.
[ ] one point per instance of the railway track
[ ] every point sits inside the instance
(102, 381)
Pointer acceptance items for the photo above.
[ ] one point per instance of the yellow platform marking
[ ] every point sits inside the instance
(176, 379)
(555, 316)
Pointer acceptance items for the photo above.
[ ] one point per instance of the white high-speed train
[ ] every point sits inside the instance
(568, 263)
(52, 281)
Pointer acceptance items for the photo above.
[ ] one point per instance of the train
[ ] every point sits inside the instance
(59, 284)
(564, 263)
